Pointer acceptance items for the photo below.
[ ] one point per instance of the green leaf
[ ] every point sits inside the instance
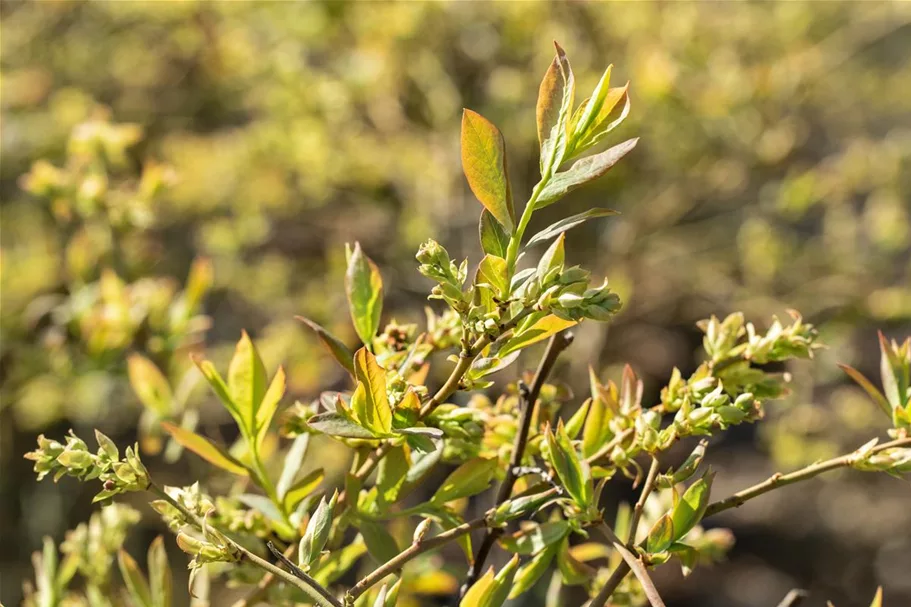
(218, 386)
(538, 330)
(159, 574)
(469, 479)
(294, 459)
(391, 474)
(502, 583)
(494, 239)
(554, 230)
(552, 260)
(484, 165)
(369, 403)
(529, 573)
(339, 351)
(380, 543)
(602, 124)
(269, 404)
(338, 425)
(661, 535)
(555, 105)
(478, 591)
(573, 571)
(317, 532)
(205, 449)
(869, 388)
(890, 368)
(583, 171)
(573, 472)
(534, 539)
(492, 271)
(150, 385)
(364, 287)
(878, 598)
(689, 509)
(589, 111)
(135, 582)
(577, 421)
(301, 489)
(247, 381)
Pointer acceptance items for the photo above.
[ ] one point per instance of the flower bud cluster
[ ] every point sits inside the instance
(92, 545)
(74, 459)
(436, 265)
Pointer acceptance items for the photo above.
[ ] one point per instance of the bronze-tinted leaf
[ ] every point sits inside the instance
(484, 165)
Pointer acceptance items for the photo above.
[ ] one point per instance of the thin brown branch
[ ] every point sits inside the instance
(641, 572)
(529, 397)
(778, 479)
(793, 598)
(417, 548)
(640, 505)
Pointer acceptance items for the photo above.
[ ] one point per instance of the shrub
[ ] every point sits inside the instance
(280, 530)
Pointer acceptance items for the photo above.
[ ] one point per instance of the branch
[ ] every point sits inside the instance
(418, 547)
(529, 397)
(641, 573)
(310, 587)
(778, 479)
(259, 593)
(609, 446)
(794, 598)
(640, 505)
(466, 358)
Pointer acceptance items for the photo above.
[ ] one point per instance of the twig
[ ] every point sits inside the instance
(793, 598)
(640, 505)
(529, 397)
(466, 358)
(309, 586)
(778, 479)
(610, 585)
(418, 547)
(261, 590)
(610, 445)
(641, 573)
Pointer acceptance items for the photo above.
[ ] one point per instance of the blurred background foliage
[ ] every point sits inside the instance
(167, 166)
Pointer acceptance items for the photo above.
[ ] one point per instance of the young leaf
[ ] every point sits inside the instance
(492, 271)
(294, 459)
(247, 381)
(494, 239)
(552, 260)
(317, 532)
(530, 334)
(135, 582)
(502, 583)
(590, 110)
(469, 479)
(878, 598)
(871, 390)
(339, 426)
(478, 591)
(339, 351)
(301, 489)
(583, 171)
(661, 536)
(689, 509)
(149, 384)
(484, 165)
(555, 105)
(535, 539)
(205, 449)
(159, 574)
(219, 387)
(577, 421)
(602, 125)
(364, 287)
(369, 403)
(269, 404)
(573, 571)
(554, 230)
(529, 573)
(574, 473)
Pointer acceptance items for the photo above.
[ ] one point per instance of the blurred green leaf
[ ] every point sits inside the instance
(339, 351)
(205, 449)
(469, 479)
(149, 384)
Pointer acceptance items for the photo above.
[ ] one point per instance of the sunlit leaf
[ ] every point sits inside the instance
(364, 287)
(484, 165)
(269, 404)
(492, 271)
(502, 583)
(369, 403)
(337, 425)
(536, 538)
(149, 384)
(540, 329)
(339, 351)
(301, 489)
(556, 96)
(135, 582)
(294, 459)
(661, 535)
(691, 506)
(582, 171)
(554, 230)
(573, 571)
(529, 573)
(205, 449)
(494, 239)
(317, 532)
(391, 474)
(380, 543)
(469, 479)
(247, 380)
(475, 595)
